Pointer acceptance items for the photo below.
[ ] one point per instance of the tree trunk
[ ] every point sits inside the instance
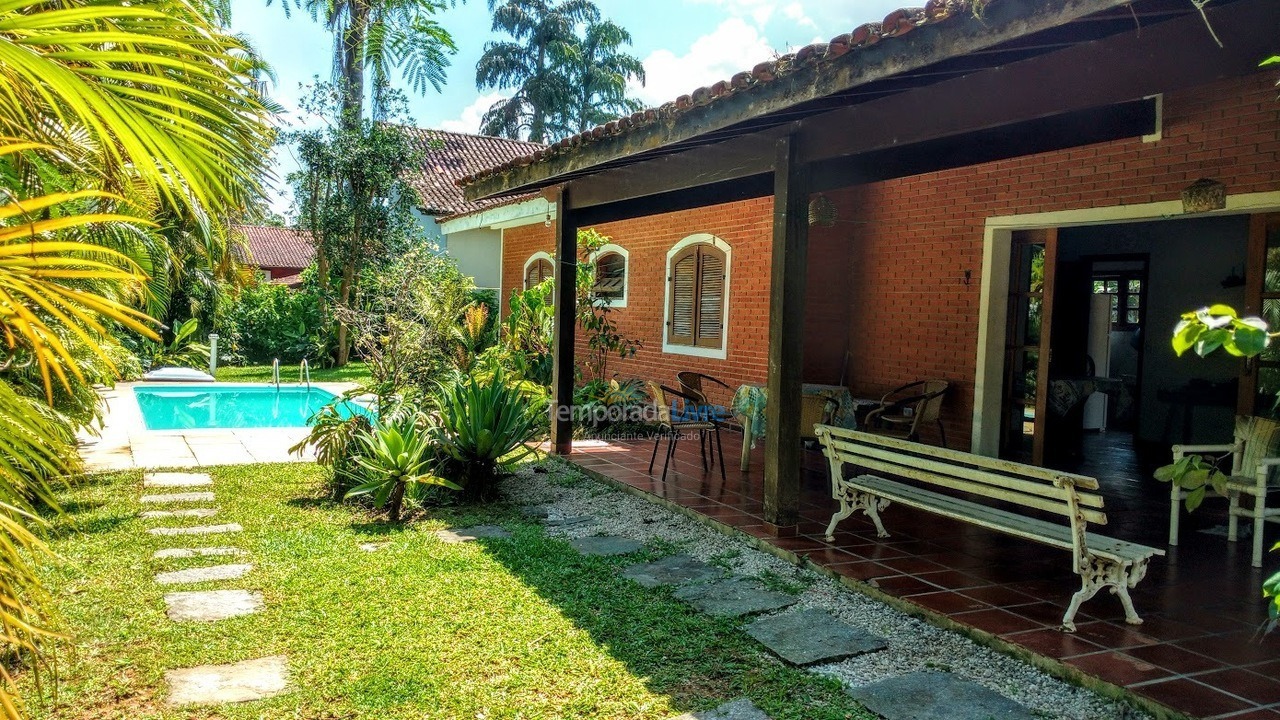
(344, 300)
(352, 68)
(395, 501)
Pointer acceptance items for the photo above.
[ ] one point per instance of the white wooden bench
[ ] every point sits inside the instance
(914, 468)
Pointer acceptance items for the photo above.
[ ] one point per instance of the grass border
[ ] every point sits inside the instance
(1050, 666)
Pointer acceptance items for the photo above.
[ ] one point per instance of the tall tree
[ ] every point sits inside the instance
(599, 71)
(111, 114)
(352, 199)
(377, 37)
(534, 63)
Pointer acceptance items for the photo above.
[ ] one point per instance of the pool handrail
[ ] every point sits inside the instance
(275, 372)
(304, 373)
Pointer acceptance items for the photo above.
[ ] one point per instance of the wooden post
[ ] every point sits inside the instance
(564, 299)
(786, 336)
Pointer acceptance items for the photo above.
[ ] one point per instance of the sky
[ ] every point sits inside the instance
(684, 44)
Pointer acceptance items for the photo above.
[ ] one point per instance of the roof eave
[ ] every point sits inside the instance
(991, 23)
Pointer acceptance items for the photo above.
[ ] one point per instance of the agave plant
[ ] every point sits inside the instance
(394, 457)
(483, 428)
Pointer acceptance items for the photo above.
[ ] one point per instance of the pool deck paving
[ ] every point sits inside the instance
(124, 443)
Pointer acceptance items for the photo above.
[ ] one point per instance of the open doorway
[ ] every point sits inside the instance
(1088, 365)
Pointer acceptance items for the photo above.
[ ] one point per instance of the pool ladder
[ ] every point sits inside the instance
(304, 373)
(275, 372)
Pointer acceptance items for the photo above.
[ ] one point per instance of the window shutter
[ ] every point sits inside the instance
(538, 271)
(611, 276)
(710, 329)
(684, 285)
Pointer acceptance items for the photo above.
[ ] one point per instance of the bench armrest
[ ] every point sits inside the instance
(1180, 450)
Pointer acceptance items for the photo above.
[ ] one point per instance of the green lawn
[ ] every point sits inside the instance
(523, 628)
(352, 372)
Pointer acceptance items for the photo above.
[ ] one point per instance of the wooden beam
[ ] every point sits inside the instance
(564, 299)
(1162, 58)
(786, 336)
(930, 44)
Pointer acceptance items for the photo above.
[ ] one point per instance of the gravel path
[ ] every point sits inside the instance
(913, 644)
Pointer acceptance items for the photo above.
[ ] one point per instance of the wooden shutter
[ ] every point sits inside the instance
(539, 270)
(611, 276)
(710, 328)
(684, 295)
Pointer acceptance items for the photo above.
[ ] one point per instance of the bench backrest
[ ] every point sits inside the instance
(1051, 491)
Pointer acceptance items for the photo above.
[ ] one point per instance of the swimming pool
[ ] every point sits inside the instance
(195, 407)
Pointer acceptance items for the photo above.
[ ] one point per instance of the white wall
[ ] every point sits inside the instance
(479, 255)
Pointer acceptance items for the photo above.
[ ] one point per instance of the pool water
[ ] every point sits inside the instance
(193, 407)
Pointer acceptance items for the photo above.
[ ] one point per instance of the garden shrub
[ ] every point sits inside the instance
(273, 321)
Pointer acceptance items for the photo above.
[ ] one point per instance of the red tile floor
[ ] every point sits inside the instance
(1197, 651)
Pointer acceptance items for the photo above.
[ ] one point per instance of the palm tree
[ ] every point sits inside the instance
(600, 72)
(110, 113)
(379, 36)
(534, 63)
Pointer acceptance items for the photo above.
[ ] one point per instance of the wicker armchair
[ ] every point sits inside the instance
(814, 410)
(672, 427)
(903, 410)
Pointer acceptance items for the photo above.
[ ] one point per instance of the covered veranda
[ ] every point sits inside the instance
(960, 84)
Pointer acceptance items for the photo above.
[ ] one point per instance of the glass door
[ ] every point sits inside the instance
(1261, 383)
(1033, 258)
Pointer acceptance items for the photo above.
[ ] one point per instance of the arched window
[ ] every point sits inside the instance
(538, 268)
(697, 296)
(610, 263)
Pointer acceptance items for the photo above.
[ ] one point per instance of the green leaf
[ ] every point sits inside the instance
(1194, 498)
(1211, 340)
(1185, 336)
(1223, 310)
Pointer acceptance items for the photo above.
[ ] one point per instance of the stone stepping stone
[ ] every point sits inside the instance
(234, 683)
(937, 696)
(740, 709)
(204, 574)
(211, 605)
(193, 512)
(606, 545)
(197, 529)
(175, 479)
(373, 547)
(734, 597)
(672, 570)
(805, 637)
(538, 512)
(170, 553)
(178, 498)
(454, 536)
(571, 521)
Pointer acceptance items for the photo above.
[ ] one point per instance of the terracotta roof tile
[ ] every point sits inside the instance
(278, 247)
(895, 24)
(447, 156)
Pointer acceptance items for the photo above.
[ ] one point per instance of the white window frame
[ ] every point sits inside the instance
(626, 271)
(715, 353)
(540, 255)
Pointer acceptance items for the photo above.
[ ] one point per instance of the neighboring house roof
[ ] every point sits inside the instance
(447, 156)
(278, 247)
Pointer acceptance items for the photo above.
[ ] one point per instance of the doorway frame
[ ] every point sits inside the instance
(1145, 259)
(988, 382)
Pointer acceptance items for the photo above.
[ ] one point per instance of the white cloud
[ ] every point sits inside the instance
(732, 47)
(758, 10)
(469, 120)
(795, 13)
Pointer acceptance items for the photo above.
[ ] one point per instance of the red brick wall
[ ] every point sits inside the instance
(912, 316)
(746, 226)
(886, 284)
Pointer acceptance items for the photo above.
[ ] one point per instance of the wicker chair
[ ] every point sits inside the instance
(814, 410)
(903, 410)
(671, 427)
(691, 385)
